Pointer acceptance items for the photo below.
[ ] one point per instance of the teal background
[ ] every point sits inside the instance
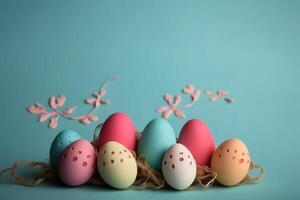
(249, 47)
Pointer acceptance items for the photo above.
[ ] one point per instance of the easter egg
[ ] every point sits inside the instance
(116, 165)
(196, 136)
(156, 138)
(119, 128)
(231, 161)
(77, 163)
(60, 143)
(179, 167)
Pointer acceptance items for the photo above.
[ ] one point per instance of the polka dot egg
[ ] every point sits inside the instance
(60, 143)
(231, 161)
(179, 167)
(116, 165)
(77, 163)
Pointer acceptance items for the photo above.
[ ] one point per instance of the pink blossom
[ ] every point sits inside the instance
(55, 103)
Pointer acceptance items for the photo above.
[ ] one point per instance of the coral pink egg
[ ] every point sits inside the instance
(196, 136)
(77, 163)
(119, 128)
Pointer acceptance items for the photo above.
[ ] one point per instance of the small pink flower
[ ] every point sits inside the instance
(97, 100)
(172, 107)
(220, 94)
(55, 103)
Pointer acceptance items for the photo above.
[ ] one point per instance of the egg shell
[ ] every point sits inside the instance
(119, 128)
(231, 161)
(60, 143)
(116, 165)
(196, 136)
(179, 167)
(156, 138)
(77, 163)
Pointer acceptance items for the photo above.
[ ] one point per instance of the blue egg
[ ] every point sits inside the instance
(155, 140)
(60, 143)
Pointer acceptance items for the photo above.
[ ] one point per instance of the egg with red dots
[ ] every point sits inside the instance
(179, 167)
(116, 165)
(231, 161)
(77, 163)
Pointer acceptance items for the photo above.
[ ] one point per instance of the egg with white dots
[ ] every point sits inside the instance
(179, 167)
(60, 143)
(116, 165)
(231, 161)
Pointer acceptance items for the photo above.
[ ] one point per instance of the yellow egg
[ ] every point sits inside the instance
(116, 165)
(231, 161)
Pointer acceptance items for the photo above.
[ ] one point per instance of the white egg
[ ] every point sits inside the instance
(179, 167)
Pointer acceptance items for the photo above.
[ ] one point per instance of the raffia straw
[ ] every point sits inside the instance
(205, 176)
(148, 177)
(47, 173)
(95, 136)
(252, 179)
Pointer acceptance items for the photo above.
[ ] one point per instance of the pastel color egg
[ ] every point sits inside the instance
(179, 167)
(60, 143)
(156, 138)
(196, 136)
(116, 165)
(119, 128)
(77, 163)
(231, 161)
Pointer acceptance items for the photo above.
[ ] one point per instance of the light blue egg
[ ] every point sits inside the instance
(60, 143)
(156, 138)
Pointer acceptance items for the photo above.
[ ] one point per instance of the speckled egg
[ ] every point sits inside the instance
(231, 161)
(77, 163)
(60, 143)
(156, 138)
(179, 167)
(116, 165)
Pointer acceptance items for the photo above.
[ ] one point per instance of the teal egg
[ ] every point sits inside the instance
(60, 143)
(155, 140)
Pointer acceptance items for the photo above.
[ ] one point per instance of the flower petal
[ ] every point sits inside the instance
(177, 100)
(222, 93)
(69, 110)
(97, 103)
(52, 102)
(53, 122)
(93, 117)
(167, 114)
(179, 114)
(36, 108)
(90, 101)
(168, 98)
(60, 100)
(104, 101)
(196, 95)
(214, 98)
(162, 109)
(85, 120)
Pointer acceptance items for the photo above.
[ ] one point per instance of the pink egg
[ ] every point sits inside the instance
(77, 163)
(196, 136)
(119, 128)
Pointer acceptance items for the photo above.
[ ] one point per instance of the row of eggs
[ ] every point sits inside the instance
(76, 159)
